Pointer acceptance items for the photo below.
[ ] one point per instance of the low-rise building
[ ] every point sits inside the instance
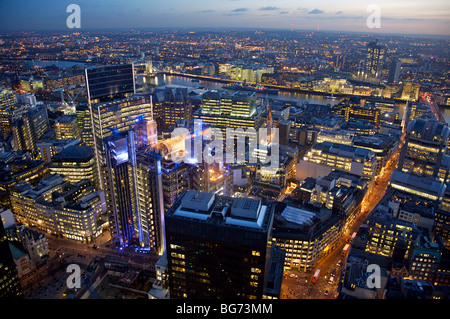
(322, 158)
(76, 163)
(306, 235)
(58, 207)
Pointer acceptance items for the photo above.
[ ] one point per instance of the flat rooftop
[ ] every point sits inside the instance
(74, 153)
(208, 207)
(418, 185)
(66, 119)
(298, 215)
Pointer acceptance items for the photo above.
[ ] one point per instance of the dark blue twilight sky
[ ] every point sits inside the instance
(399, 16)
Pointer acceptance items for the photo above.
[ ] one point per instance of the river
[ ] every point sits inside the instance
(164, 79)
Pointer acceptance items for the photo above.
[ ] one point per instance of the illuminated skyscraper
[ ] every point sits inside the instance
(120, 188)
(113, 105)
(30, 127)
(170, 105)
(375, 58)
(109, 82)
(151, 200)
(84, 124)
(134, 192)
(7, 101)
(223, 111)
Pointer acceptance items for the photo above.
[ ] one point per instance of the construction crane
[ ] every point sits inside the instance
(71, 100)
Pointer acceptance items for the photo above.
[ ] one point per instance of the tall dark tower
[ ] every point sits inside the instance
(394, 71)
(218, 246)
(10, 287)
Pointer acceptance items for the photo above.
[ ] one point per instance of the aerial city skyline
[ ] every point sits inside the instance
(232, 150)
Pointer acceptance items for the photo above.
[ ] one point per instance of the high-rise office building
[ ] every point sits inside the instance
(113, 106)
(134, 191)
(120, 188)
(219, 247)
(222, 110)
(30, 127)
(170, 105)
(394, 71)
(375, 58)
(424, 150)
(84, 124)
(122, 124)
(151, 200)
(7, 101)
(109, 82)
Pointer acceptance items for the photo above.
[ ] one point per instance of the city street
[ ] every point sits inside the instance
(297, 285)
(49, 281)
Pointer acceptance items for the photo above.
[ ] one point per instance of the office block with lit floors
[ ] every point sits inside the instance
(424, 150)
(10, 287)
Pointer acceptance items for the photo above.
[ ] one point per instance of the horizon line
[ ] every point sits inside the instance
(129, 29)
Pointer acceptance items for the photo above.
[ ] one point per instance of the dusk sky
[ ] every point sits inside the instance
(400, 16)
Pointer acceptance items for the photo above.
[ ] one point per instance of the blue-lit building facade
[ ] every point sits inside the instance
(120, 188)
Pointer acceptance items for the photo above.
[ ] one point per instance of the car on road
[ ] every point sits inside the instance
(339, 263)
(95, 247)
(326, 292)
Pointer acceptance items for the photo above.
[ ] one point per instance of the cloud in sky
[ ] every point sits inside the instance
(316, 11)
(240, 10)
(269, 8)
(205, 11)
